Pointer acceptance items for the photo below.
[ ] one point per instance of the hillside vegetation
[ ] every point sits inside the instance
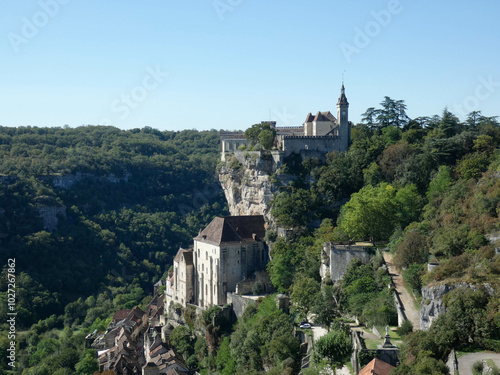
(129, 200)
(428, 188)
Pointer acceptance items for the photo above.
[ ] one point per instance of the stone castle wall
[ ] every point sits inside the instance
(296, 144)
(336, 258)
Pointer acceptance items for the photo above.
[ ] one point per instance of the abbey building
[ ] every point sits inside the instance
(228, 251)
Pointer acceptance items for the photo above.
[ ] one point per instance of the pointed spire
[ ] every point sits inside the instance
(343, 98)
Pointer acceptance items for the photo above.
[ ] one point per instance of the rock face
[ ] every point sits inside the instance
(246, 180)
(432, 304)
(67, 181)
(50, 216)
(432, 301)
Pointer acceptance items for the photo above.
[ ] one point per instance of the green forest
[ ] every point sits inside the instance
(125, 200)
(139, 195)
(426, 188)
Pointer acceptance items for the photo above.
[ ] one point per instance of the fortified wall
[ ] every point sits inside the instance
(321, 145)
(336, 258)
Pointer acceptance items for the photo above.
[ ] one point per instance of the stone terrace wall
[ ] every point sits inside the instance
(295, 144)
(340, 258)
(239, 303)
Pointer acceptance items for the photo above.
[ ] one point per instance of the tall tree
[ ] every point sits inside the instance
(335, 346)
(369, 117)
(449, 124)
(371, 213)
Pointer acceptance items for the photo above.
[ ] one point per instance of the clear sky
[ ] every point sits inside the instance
(227, 64)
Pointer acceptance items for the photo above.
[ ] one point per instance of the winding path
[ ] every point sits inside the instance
(412, 313)
(465, 362)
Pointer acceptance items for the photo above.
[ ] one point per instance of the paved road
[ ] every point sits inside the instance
(412, 314)
(465, 362)
(318, 331)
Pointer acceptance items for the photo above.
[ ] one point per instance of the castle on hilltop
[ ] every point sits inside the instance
(320, 133)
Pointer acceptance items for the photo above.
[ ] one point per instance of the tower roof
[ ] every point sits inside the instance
(343, 98)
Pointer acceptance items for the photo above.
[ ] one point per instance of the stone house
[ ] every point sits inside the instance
(229, 250)
(122, 358)
(131, 321)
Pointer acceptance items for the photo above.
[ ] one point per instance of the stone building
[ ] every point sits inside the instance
(320, 133)
(336, 258)
(229, 250)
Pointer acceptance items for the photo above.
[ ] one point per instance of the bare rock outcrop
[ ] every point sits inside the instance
(246, 180)
(432, 301)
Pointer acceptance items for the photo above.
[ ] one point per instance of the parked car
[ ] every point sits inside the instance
(305, 325)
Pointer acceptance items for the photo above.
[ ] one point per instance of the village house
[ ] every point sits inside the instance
(228, 251)
(132, 321)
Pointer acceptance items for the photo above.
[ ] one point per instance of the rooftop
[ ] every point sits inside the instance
(234, 229)
(376, 367)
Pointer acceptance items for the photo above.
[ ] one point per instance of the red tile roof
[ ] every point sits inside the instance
(376, 367)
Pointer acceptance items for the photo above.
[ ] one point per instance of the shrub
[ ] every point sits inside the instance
(411, 249)
(478, 366)
(405, 328)
(413, 277)
(258, 288)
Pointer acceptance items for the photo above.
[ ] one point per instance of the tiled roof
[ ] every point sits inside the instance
(324, 116)
(376, 367)
(188, 255)
(309, 118)
(136, 314)
(234, 229)
(121, 314)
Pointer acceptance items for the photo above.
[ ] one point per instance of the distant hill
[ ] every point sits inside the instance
(87, 209)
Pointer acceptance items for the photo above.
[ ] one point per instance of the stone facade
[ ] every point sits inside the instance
(229, 250)
(336, 258)
(321, 133)
(183, 276)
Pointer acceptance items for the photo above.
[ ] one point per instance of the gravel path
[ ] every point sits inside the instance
(407, 299)
(465, 362)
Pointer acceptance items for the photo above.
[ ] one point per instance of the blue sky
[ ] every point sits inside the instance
(227, 64)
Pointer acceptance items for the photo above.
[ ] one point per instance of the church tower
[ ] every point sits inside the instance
(343, 120)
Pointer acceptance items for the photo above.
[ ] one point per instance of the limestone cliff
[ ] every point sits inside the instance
(246, 180)
(432, 301)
